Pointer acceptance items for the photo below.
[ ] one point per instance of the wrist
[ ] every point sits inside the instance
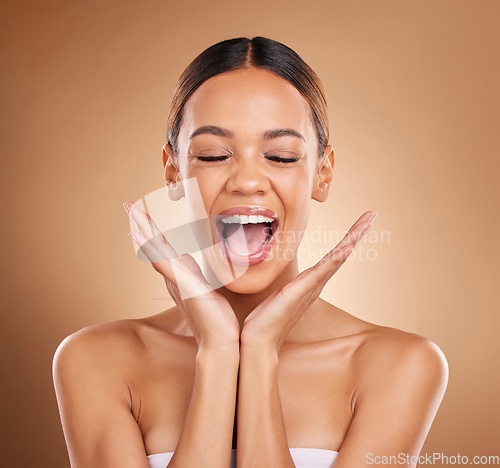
(221, 352)
(259, 352)
(259, 343)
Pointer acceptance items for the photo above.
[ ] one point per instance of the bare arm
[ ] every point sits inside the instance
(208, 429)
(95, 408)
(395, 405)
(262, 438)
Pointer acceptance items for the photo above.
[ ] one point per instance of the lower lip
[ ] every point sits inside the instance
(248, 260)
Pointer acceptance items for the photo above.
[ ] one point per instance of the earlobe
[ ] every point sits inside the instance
(324, 175)
(172, 174)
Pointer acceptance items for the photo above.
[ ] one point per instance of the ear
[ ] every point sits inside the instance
(324, 175)
(172, 174)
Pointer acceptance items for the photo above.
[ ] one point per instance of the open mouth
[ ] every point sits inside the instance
(247, 233)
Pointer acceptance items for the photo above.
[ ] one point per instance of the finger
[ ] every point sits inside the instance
(357, 230)
(310, 286)
(307, 287)
(190, 278)
(174, 269)
(334, 264)
(336, 258)
(367, 216)
(333, 260)
(149, 230)
(158, 261)
(342, 250)
(353, 236)
(181, 270)
(328, 265)
(351, 239)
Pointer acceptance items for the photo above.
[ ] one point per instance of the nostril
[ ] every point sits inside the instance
(248, 182)
(246, 192)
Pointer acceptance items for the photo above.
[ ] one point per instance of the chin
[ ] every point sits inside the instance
(249, 284)
(266, 276)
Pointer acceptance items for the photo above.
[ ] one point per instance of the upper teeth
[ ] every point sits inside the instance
(244, 219)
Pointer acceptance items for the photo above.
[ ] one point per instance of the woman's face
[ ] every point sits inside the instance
(248, 140)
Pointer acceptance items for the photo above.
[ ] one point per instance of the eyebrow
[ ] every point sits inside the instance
(224, 132)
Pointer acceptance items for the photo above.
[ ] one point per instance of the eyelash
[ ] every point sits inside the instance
(270, 157)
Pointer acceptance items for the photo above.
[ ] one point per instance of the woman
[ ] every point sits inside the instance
(261, 363)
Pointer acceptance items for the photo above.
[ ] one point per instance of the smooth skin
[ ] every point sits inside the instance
(265, 353)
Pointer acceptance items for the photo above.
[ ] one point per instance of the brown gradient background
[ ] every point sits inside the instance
(412, 88)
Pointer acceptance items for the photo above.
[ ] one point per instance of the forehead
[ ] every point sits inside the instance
(248, 102)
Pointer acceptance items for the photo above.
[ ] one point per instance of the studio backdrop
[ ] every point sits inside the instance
(412, 89)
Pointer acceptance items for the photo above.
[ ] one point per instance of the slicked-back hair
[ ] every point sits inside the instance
(240, 53)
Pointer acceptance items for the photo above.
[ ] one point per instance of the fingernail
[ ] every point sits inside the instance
(131, 236)
(372, 217)
(126, 207)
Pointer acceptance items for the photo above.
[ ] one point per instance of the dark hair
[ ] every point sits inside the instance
(240, 53)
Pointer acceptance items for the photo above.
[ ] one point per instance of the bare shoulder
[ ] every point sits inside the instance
(378, 347)
(385, 348)
(395, 376)
(94, 371)
(117, 344)
(124, 346)
(393, 362)
(105, 341)
(385, 355)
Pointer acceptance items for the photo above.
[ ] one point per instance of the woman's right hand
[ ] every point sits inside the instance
(208, 313)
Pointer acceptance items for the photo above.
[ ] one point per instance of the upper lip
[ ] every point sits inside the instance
(247, 210)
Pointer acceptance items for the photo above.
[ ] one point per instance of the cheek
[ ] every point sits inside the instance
(296, 200)
(297, 209)
(202, 194)
(294, 184)
(295, 194)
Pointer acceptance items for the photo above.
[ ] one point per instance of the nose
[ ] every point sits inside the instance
(248, 178)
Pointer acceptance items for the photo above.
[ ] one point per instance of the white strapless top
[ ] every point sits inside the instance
(302, 457)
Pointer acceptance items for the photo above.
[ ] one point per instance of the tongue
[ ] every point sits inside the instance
(247, 240)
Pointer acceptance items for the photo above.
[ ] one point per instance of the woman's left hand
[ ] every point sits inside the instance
(267, 326)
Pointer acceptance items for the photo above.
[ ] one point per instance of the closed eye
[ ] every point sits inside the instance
(280, 159)
(211, 158)
(270, 157)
